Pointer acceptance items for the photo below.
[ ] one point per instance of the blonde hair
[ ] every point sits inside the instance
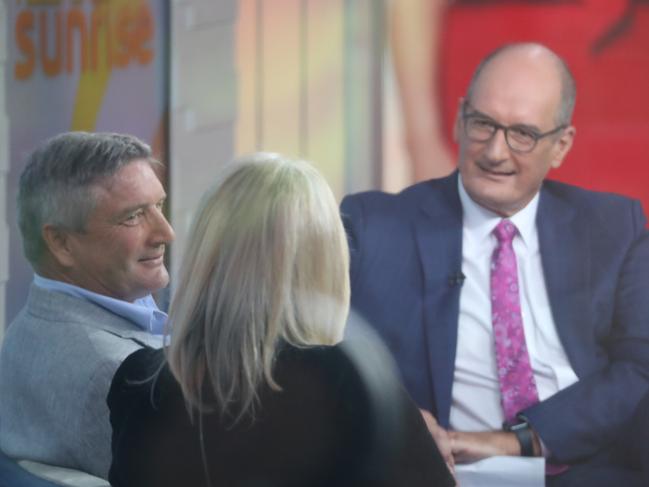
(267, 261)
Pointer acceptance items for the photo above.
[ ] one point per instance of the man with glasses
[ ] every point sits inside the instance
(516, 307)
(520, 138)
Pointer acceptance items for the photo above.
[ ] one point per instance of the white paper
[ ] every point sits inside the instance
(502, 472)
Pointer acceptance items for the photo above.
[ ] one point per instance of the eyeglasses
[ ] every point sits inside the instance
(519, 138)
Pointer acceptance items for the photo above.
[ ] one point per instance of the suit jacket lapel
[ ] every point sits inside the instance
(438, 228)
(565, 256)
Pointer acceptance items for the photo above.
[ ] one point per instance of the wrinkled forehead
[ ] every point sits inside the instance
(519, 89)
(136, 182)
(129, 174)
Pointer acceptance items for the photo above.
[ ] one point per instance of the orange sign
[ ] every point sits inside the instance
(53, 36)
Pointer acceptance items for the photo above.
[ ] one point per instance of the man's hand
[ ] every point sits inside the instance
(469, 447)
(441, 437)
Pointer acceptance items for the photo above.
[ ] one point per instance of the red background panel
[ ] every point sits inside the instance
(611, 150)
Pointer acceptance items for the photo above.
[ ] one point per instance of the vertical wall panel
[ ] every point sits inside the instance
(203, 106)
(324, 53)
(307, 82)
(4, 166)
(247, 78)
(363, 95)
(281, 80)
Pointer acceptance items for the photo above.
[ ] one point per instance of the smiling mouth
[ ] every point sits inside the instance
(494, 172)
(158, 259)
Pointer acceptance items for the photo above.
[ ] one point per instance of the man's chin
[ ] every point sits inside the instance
(497, 202)
(152, 284)
(163, 280)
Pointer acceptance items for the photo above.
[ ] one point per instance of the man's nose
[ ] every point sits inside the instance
(497, 149)
(162, 231)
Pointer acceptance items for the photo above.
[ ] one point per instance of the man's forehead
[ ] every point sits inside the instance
(132, 183)
(137, 172)
(518, 89)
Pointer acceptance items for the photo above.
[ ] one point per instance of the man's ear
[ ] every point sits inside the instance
(458, 120)
(563, 145)
(58, 243)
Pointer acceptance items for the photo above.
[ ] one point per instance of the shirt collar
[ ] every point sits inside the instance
(480, 221)
(143, 312)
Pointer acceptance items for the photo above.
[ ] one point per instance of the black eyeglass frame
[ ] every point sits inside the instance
(506, 129)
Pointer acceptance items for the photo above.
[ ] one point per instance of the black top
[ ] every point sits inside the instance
(320, 430)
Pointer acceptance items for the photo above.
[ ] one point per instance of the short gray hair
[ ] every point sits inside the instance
(56, 185)
(266, 262)
(568, 85)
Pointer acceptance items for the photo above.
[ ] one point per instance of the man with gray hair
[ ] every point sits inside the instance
(90, 214)
(517, 307)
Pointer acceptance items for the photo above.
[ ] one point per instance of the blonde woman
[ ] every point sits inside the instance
(253, 390)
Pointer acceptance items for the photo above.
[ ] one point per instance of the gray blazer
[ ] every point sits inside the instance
(57, 362)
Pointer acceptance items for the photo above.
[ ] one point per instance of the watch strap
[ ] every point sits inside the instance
(524, 435)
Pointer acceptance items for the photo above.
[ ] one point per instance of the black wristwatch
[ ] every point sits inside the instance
(524, 434)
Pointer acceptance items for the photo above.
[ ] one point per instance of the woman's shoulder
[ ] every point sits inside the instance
(325, 377)
(143, 374)
(143, 360)
(325, 361)
(312, 354)
(139, 366)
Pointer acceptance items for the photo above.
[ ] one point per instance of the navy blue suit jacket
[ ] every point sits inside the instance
(406, 252)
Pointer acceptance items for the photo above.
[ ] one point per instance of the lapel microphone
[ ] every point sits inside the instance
(456, 279)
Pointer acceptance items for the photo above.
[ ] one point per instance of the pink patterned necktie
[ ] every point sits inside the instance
(517, 385)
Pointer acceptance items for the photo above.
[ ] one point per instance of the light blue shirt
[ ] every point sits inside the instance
(143, 312)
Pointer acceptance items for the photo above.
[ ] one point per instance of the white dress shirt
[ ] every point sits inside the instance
(476, 394)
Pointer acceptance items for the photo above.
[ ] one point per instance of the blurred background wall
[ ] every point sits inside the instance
(4, 167)
(436, 45)
(366, 89)
(78, 65)
(200, 81)
(203, 105)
